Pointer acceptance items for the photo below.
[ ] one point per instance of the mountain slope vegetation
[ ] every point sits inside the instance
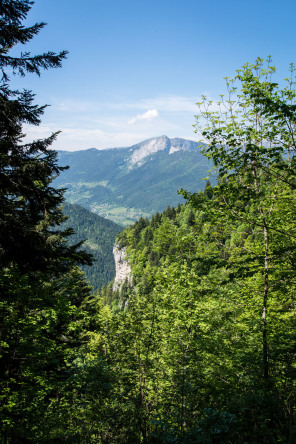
(124, 184)
(99, 236)
(203, 342)
(187, 344)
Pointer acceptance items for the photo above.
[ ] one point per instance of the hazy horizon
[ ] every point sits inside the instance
(136, 69)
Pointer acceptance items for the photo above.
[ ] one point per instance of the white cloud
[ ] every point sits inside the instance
(116, 123)
(36, 132)
(149, 115)
(72, 139)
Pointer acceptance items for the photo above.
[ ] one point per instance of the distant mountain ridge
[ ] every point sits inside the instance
(123, 184)
(151, 146)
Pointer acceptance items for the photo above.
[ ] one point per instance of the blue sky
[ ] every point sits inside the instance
(136, 68)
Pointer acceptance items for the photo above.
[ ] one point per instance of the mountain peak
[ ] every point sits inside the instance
(156, 144)
(124, 184)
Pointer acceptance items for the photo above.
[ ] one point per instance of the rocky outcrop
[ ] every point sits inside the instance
(123, 269)
(148, 147)
(143, 150)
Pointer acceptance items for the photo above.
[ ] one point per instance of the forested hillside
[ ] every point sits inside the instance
(124, 184)
(203, 342)
(98, 235)
(189, 345)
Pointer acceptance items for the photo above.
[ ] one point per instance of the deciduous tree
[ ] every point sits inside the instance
(251, 140)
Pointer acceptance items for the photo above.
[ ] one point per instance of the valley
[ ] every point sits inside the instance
(123, 184)
(98, 235)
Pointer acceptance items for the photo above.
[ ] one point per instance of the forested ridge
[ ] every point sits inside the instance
(98, 235)
(200, 347)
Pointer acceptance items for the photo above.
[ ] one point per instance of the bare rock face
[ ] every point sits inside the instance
(123, 269)
(143, 150)
(147, 148)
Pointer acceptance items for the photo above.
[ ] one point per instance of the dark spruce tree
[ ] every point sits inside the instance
(29, 205)
(41, 288)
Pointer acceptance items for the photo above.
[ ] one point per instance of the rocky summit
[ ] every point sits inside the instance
(123, 184)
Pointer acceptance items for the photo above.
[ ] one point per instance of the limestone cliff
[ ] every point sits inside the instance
(123, 269)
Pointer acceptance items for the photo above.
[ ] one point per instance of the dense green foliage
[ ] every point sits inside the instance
(105, 182)
(203, 343)
(99, 236)
(188, 345)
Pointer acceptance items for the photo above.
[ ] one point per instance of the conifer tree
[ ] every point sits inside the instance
(29, 205)
(40, 288)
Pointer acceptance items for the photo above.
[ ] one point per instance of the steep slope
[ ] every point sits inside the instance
(189, 324)
(123, 184)
(99, 235)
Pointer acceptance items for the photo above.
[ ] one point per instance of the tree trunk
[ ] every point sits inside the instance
(264, 309)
